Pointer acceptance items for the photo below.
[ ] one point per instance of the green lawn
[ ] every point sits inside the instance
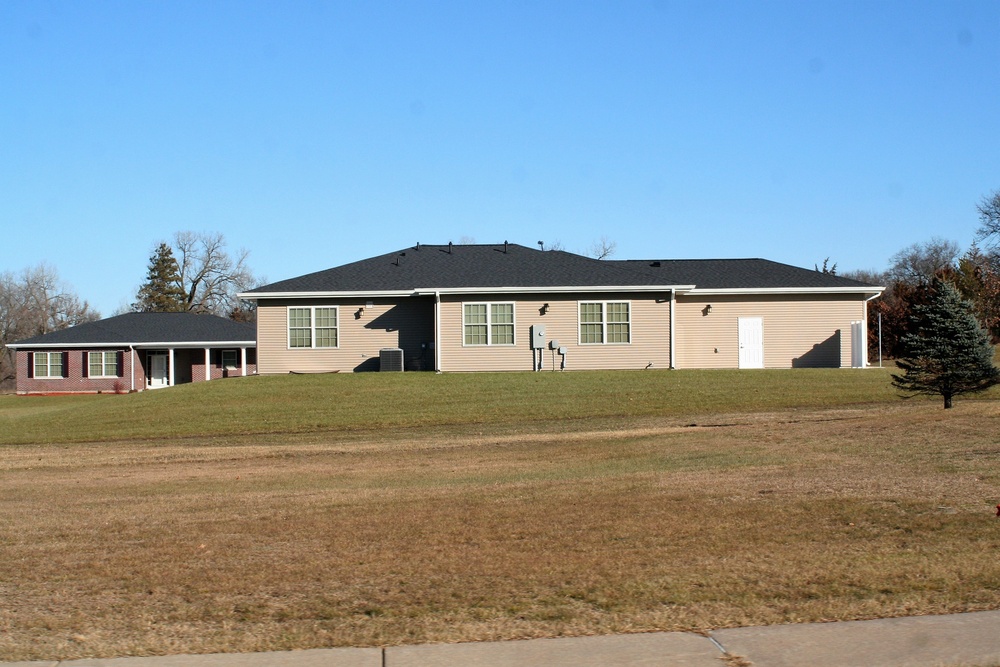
(372, 401)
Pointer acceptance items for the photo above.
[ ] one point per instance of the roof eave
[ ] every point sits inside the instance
(198, 343)
(255, 296)
(785, 290)
(430, 291)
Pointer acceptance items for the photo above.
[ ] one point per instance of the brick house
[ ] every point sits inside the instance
(134, 352)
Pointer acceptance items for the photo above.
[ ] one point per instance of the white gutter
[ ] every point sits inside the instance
(219, 343)
(551, 289)
(246, 296)
(784, 290)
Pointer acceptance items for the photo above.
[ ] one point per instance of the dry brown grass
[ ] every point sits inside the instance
(465, 533)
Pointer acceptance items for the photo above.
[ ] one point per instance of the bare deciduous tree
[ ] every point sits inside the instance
(33, 303)
(919, 263)
(989, 219)
(210, 276)
(602, 248)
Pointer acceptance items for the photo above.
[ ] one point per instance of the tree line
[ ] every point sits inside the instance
(911, 276)
(195, 273)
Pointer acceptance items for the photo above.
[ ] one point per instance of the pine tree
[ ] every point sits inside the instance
(162, 291)
(947, 352)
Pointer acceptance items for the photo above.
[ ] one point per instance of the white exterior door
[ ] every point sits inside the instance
(751, 333)
(158, 371)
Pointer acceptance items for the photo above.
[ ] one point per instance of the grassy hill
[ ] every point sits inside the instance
(365, 510)
(371, 401)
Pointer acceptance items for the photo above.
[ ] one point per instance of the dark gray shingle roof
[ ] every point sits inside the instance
(175, 328)
(449, 267)
(740, 274)
(512, 265)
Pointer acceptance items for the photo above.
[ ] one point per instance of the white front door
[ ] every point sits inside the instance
(158, 370)
(751, 332)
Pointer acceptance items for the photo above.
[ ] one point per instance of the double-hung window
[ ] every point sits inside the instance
(313, 326)
(488, 323)
(102, 364)
(48, 364)
(229, 362)
(605, 322)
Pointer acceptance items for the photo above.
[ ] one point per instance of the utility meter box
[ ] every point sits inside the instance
(538, 336)
(553, 344)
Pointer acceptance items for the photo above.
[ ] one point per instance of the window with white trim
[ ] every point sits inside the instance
(102, 364)
(605, 322)
(48, 364)
(488, 323)
(313, 326)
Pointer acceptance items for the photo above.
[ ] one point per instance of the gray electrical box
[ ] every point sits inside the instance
(538, 336)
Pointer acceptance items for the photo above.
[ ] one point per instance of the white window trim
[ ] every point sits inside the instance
(604, 321)
(48, 365)
(489, 323)
(312, 328)
(103, 354)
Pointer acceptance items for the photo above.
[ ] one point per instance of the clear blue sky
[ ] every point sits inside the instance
(317, 133)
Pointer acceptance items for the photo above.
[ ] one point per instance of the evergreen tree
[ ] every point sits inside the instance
(946, 351)
(162, 291)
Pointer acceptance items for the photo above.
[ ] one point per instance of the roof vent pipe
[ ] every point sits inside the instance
(449, 247)
(505, 247)
(418, 245)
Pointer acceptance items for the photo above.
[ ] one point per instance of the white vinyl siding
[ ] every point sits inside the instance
(605, 322)
(313, 327)
(488, 323)
(48, 364)
(102, 364)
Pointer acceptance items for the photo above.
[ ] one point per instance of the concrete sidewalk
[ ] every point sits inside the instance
(958, 640)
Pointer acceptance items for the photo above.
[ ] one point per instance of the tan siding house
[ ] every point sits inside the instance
(461, 308)
(648, 342)
(364, 328)
(798, 330)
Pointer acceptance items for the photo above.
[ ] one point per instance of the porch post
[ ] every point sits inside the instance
(243, 361)
(170, 366)
(208, 364)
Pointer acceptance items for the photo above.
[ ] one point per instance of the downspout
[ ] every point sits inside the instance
(864, 310)
(437, 331)
(131, 368)
(673, 320)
